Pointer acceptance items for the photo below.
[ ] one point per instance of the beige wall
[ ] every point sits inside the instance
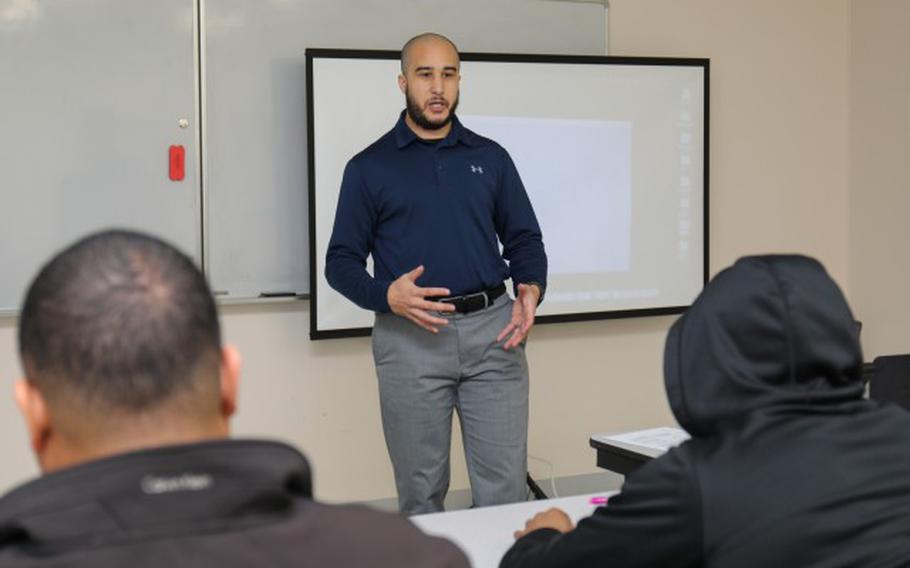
(322, 396)
(779, 182)
(880, 174)
(779, 115)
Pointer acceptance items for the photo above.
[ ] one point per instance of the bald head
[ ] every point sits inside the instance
(422, 39)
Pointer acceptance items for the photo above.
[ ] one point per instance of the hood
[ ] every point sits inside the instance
(768, 332)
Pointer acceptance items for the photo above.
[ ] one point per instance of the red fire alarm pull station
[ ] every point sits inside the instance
(177, 163)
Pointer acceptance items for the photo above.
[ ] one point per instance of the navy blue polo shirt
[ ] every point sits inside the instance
(446, 206)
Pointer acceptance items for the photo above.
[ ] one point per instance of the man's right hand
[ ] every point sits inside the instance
(408, 300)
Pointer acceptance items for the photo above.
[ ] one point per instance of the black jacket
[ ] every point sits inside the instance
(787, 466)
(222, 503)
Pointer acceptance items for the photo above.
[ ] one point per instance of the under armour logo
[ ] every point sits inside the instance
(476, 169)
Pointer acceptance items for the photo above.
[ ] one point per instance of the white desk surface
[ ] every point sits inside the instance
(485, 534)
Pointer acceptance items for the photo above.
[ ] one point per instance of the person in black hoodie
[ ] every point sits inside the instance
(787, 466)
(127, 399)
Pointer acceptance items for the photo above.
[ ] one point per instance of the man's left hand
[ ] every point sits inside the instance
(523, 309)
(552, 518)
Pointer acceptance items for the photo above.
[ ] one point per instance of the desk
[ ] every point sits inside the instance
(624, 452)
(485, 534)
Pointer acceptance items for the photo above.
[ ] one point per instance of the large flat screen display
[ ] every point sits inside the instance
(613, 153)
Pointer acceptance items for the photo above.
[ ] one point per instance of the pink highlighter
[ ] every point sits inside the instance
(599, 500)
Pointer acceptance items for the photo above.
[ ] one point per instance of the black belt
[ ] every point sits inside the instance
(472, 302)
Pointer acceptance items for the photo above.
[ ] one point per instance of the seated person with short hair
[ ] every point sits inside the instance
(787, 466)
(127, 399)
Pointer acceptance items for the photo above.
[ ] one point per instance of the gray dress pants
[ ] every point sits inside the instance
(423, 377)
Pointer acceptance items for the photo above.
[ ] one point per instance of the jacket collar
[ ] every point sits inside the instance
(163, 490)
(405, 136)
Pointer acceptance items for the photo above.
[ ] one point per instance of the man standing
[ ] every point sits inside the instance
(431, 200)
(127, 400)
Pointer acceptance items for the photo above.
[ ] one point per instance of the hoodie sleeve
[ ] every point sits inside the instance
(654, 521)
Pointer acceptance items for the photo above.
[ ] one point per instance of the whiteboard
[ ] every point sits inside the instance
(92, 98)
(254, 112)
(95, 105)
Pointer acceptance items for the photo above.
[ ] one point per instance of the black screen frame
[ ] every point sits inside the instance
(319, 53)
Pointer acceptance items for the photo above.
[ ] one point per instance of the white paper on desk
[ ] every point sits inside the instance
(656, 438)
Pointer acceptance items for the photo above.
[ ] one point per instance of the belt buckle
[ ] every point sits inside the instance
(464, 300)
(486, 301)
(456, 301)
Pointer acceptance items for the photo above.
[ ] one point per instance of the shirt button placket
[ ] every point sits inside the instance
(439, 170)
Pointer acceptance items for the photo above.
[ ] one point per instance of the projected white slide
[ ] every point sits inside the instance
(612, 153)
(566, 163)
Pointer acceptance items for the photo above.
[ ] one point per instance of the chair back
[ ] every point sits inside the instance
(891, 379)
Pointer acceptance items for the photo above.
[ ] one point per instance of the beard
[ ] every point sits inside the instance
(420, 118)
